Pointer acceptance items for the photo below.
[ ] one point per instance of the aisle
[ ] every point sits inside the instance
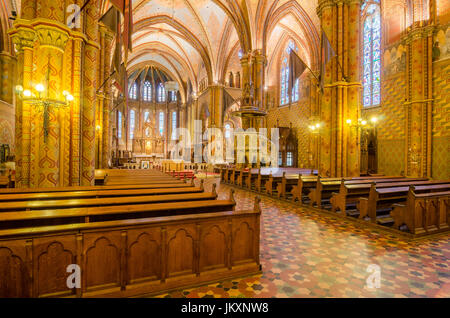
(306, 254)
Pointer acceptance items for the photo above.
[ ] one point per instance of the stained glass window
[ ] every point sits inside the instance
(173, 96)
(133, 91)
(161, 123)
(289, 159)
(161, 93)
(285, 97)
(119, 125)
(132, 123)
(147, 91)
(174, 125)
(371, 53)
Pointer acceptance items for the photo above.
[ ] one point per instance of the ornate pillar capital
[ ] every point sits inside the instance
(322, 5)
(22, 37)
(51, 36)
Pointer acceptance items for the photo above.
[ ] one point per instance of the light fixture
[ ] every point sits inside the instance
(374, 120)
(35, 98)
(349, 121)
(39, 88)
(364, 122)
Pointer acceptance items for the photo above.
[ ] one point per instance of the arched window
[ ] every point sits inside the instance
(227, 131)
(133, 91)
(370, 11)
(146, 115)
(147, 91)
(161, 93)
(161, 123)
(119, 125)
(285, 96)
(132, 123)
(174, 125)
(173, 96)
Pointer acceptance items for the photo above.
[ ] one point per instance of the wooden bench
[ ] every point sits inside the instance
(183, 174)
(95, 194)
(425, 213)
(351, 191)
(381, 200)
(100, 177)
(250, 180)
(303, 187)
(104, 201)
(233, 176)
(243, 175)
(271, 183)
(7, 181)
(96, 188)
(325, 187)
(128, 250)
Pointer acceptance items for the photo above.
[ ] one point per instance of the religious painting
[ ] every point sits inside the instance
(394, 60)
(441, 45)
(145, 164)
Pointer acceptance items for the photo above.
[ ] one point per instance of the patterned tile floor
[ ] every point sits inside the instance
(309, 254)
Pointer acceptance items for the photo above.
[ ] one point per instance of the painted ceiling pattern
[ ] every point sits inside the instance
(193, 39)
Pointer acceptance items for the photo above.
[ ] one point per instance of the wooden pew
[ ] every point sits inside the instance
(95, 194)
(351, 191)
(304, 185)
(5, 182)
(243, 174)
(128, 251)
(186, 174)
(292, 185)
(232, 178)
(250, 180)
(425, 213)
(100, 177)
(271, 184)
(8, 180)
(261, 179)
(97, 188)
(325, 187)
(226, 175)
(384, 198)
(62, 203)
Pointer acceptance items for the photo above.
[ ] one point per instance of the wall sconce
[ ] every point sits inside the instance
(363, 123)
(35, 98)
(315, 128)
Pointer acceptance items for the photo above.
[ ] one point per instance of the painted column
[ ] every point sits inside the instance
(216, 105)
(418, 106)
(23, 37)
(91, 53)
(339, 153)
(7, 62)
(50, 54)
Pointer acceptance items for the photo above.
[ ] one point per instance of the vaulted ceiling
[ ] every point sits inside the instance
(193, 39)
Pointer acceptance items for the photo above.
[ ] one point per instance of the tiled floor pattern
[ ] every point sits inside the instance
(309, 254)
